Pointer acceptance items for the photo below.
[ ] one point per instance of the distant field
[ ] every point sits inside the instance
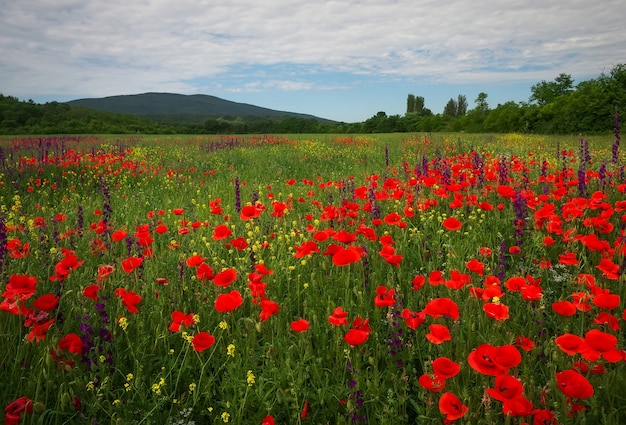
(322, 279)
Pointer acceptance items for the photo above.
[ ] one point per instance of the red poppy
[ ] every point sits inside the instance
(445, 367)
(494, 361)
(46, 302)
(300, 325)
(476, 266)
(15, 409)
(71, 343)
(570, 343)
(21, 287)
(524, 343)
(506, 191)
(131, 264)
(606, 300)
(161, 229)
(600, 341)
(178, 211)
(497, 311)
(129, 299)
(202, 340)
(39, 331)
(91, 291)
(339, 317)
(268, 420)
(436, 278)
(221, 231)
(442, 307)
(346, 256)
(239, 243)
(506, 387)
(307, 248)
(225, 277)
(609, 269)
(180, 319)
(359, 333)
(268, 309)
(438, 334)
(517, 406)
(564, 308)
(432, 382)
(228, 302)
(104, 271)
(604, 318)
(452, 224)
(194, 261)
(413, 319)
(119, 235)
(573, 384)
(418, 282)
(392, 219)
(204, 272)
(451, 407)
(384, 297)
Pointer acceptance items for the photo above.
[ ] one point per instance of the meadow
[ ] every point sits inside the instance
(396, 278)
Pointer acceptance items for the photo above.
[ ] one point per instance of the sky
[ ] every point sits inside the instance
(343, 60)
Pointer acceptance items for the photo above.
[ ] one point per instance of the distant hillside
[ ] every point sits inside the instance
(169, 107)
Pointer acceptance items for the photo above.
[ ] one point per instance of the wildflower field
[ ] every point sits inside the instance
(470, 279)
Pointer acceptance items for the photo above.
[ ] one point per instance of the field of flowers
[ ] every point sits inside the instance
(322, 280)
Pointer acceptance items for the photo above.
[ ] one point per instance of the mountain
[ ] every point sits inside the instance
(170, 107)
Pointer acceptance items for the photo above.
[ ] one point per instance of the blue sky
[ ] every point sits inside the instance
(338, 59)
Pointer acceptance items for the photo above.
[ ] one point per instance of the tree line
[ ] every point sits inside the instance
(554, 107)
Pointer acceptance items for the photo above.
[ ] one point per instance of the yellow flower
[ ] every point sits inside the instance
(192, 387)
(129, 377)
(250, 378)
(230, 350)
(123, 322)
(196, 319)
(223, 325)
(495, 300)
(116, 402)
(225, 416)
(90, 386)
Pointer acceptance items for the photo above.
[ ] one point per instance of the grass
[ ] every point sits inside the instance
(353, 222)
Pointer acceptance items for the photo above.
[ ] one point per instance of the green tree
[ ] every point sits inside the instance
(410, 103)
(545, 92)
(450, 109)
(461, 105)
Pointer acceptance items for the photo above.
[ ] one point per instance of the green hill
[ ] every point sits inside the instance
(178, 108)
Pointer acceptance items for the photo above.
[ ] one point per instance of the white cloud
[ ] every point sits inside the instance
(129, 46)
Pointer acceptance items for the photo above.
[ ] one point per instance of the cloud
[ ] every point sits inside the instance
(90, 47)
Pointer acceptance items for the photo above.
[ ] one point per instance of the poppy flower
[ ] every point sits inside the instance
(517, 406)
(359, 333)
(436, 278)
(306, 248)
(104, 271)
(119, 235)
(438, 334)
(346, 256)
(445, 367)
(451, 407)
(46, 302)
(339, 317)
(392, 219)
(570, 343)
(476, 266)
(194, 261)
(71, 343)
(91, 291)
(442, 307)
(221, 232)
(131, 264)
(600, 341)
(564, 308)
(452, 224)
(506, 387)
(268, 420)
(268, 309)
(228, 302)
(129, 299)
(384, 297)
(249, 212)
(180, 319)
(225, 277)
(432, 382)
(161, 229)
(202, 340)
(497, 311)
(604, 318)
(413, 319)
(524, 343)
(490, 360)
(606, 300)
(300, 325)
(39, 331)
(14, 409)
(204, 272)
(573, 384)
(418, 282)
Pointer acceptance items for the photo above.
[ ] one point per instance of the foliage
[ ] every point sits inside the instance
(307, 279)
